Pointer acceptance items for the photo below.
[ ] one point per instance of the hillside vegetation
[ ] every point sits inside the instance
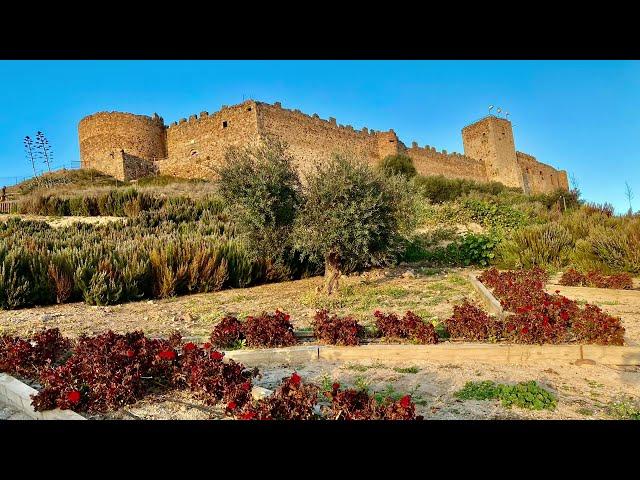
(184, 236)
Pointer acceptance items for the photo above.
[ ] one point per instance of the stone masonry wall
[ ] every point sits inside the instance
(539, 177)
(104, 135)
(197, 144)
(131, 146)
(429, 161)
(311, 138)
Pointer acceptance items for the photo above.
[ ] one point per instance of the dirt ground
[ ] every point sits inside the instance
(431, 294)
(584, 392)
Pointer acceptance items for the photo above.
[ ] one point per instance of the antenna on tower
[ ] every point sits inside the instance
(490, 108)
(506, 115)
(499, 110)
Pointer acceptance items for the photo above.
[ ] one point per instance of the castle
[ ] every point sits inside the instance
(129, 146)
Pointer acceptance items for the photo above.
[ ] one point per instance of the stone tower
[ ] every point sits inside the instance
(491, 141)
(121, 144)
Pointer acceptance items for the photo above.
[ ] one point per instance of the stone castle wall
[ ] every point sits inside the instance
(190, 148)
(103, 136)
(311, 138)
(429, 161)
(539, 177)
(197, 144)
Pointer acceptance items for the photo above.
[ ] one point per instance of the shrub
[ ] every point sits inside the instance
(336, 330)
(352, 217)
(398, 165)
(544, 245)
(468, 322)
(292, 400)
(228, 333)
(269, 330)
(410, 326)
(353, 404)
(439, 189)
(261, 181)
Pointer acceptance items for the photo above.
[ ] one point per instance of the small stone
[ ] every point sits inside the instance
(46, 317)
(409, 274)
(150, 302)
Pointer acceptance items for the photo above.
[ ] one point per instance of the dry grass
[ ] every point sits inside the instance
(431, 295)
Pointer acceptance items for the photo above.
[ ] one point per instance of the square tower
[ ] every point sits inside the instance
(491, 141)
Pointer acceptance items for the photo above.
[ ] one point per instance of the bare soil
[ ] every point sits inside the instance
(431, 295)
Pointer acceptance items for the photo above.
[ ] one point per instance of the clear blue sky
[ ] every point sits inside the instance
(580, 116)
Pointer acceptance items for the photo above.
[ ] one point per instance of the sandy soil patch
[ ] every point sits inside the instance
(57, 222)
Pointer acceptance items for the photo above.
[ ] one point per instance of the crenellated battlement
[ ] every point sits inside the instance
(191, 146)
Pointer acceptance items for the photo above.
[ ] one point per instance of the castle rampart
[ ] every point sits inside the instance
(105, 135)
(131, 146)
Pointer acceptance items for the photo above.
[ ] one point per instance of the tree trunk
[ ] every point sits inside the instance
(331, 273)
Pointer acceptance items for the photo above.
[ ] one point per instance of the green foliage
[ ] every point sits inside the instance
(485, 390)
(262, 185)
(352, 216)
(406, 370)
(547, 245)
(439, 189)
(470, 249)
(181, 248)
(398, 165)
(116, 202)
(625, 409)
(527, 395)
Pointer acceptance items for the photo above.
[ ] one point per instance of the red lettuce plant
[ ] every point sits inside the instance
(353, 404)
(594, 326)
(573, 278)
(410, 326)
(336, 330)
(292, 400)
(468, 322)
(544, 318)
(27, 358)
(228, 333)
(213, 380)
(620, 281)
(269, 330)
(106, 372)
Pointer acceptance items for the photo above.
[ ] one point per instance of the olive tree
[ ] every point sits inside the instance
(261, 184)
(352, 217)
